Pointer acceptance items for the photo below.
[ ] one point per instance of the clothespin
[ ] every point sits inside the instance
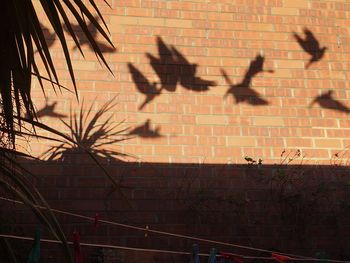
(195, 254)
(232, 257)
(146, 231)
(76, 246)
(280, 258)
(96, 222)
(34, 255)
(212, 256)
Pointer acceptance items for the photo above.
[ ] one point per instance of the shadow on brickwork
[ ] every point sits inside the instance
(91, 132)
(310, 45)
(242, 92)
(172, 69)
(327, 101)
(82, 40)
(49, 110)
(145, 131)
(150, 90)
(289, 206)
(49, 37)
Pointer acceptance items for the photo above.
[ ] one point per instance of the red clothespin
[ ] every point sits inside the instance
(146, 231)
(96, 222)
(76, 246)
(280, 258)
(234, 258)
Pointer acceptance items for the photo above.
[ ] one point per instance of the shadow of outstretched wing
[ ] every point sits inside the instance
(145, 131)
(242, 92)
(143, 85)
(49, 111)
(327, 101)
(164, 66)
(82, 40)
(311, 46)
(188, 71)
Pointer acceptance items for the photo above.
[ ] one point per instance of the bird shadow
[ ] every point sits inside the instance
(311, 46)
(49, 37)
(145, 131)
(242, 92)
(49, 111)
(172, 68)
(165, 66)
(83, 40)
(144, 86)
(327, 101)
(187, 77)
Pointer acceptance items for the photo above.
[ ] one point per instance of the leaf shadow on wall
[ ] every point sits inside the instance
(145, 131)
(327, 101)
(172, 68)
(82, 40)
(242, 92)
(311, 46)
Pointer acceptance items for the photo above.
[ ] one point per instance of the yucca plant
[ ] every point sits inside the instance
(88, 133)
(21, 37)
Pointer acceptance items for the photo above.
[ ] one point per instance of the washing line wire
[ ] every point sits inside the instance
(122, 247)
(157, 250)
(149, 230)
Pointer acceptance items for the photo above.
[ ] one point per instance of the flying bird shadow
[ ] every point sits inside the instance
(93, 31)
(164, 66)
(145, 131)
(242, 92)
(326, 101)
(144, 86)
(49, 37)
(172, 68)
(188, 74)
(49, 110)
(311, 46)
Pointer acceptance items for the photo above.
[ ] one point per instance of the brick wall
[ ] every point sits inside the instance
(199, 42)
(199, 85)
(294, 208)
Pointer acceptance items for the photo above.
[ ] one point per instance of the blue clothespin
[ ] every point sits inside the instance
(195, 254)
(34, 255)
(212, 256)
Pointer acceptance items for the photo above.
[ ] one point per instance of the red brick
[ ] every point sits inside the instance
(218, 35)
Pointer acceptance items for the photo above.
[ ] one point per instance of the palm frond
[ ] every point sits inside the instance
(16, 180)
(22, 35)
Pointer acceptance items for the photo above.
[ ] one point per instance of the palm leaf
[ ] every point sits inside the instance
(22, 35)
(18, 184)
(7, 253)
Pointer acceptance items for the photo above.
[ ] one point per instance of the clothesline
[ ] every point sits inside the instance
(121, 247)
(147, 230)
(155, 250)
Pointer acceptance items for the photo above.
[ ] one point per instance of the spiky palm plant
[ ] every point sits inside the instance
(88, 133)
(22, 37)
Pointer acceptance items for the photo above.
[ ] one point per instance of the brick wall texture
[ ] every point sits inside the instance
(198, 88)
(221, 79)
